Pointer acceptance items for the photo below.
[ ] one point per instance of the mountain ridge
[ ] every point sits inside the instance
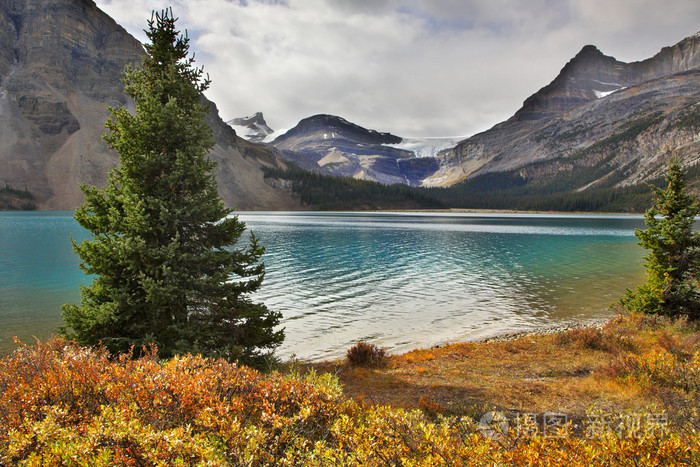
(541, 129)
(567, 123)
(608, 122)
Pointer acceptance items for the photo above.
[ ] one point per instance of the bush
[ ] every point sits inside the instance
(658, 368)
(592, 338)
(364, 354)
(61, 404)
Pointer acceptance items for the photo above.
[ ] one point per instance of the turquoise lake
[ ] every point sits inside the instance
(399, 280)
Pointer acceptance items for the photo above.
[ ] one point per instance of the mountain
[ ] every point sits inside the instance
(335, 146)
(600, 123)
(60, 63)
(252, 128)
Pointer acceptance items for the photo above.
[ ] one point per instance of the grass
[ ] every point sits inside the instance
(570, 372)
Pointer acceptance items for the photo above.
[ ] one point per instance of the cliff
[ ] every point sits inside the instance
(61, 64)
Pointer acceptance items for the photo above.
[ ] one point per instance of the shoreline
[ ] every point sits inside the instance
(426, 211)
(546, 330)
(498, 211)
(543, 330)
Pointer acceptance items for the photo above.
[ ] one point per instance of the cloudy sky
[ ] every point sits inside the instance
(411, 67)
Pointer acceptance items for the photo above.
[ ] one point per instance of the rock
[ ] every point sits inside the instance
(50, 117)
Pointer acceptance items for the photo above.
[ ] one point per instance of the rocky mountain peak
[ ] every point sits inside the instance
(592, 75)
(333, 127)
(587, 76)
(253, 128)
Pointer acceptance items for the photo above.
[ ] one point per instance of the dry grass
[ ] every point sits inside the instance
(569, 372)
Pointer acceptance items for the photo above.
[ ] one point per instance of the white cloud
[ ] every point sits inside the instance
(412, 67)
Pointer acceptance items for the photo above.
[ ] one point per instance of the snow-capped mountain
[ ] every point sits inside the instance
(253, 128)
(335, 146)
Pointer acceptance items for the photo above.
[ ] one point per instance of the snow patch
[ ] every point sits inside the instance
(608, 84)
(600, 94)
(243, 131)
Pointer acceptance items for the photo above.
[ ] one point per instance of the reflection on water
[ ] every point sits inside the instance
(399, 280)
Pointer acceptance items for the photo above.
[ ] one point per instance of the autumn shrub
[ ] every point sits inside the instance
(364, 354)
(61, 404)
(658, 367)
(59, 399)
(593, 338)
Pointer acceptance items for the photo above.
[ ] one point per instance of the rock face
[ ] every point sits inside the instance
(334, 146)
(589, 75)
(60, 63)
(600, 122)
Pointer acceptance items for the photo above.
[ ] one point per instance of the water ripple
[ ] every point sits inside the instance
(400, 280)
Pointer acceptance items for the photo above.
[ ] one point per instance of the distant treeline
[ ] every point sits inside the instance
(13, 199)
(499, 190)
(333, 193)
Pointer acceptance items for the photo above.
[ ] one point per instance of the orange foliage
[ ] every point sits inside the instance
(66, 405)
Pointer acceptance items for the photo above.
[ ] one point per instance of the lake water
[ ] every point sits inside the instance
(400, 280)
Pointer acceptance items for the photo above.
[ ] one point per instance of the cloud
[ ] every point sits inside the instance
(412, 67)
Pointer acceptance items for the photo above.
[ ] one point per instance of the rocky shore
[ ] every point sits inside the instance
(548, 330)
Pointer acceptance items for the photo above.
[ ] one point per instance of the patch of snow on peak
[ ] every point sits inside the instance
(253, 127)
(428, 146)
(601, 94)
(242, 130)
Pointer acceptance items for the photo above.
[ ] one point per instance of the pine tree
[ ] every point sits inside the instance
(673, 264)
(165, 270)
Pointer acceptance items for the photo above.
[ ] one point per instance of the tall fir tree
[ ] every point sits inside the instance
(673, 264)
(162, 250)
